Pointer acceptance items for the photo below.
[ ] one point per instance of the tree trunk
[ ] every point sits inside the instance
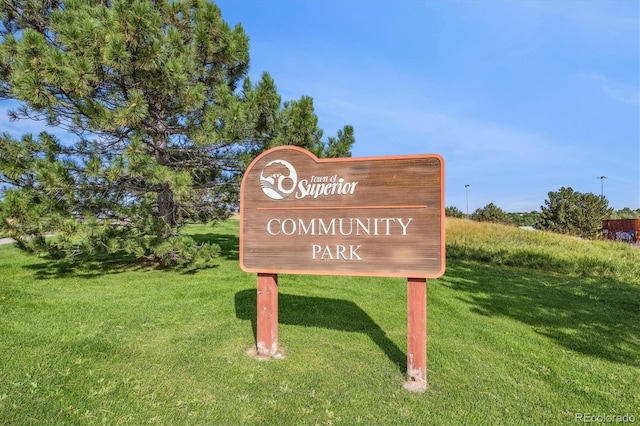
(167, 209)
(166, 200)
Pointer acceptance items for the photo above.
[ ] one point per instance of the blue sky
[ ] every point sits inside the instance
(519, 97)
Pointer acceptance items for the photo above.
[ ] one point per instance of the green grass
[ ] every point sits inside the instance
(524, 328)
(508, 245)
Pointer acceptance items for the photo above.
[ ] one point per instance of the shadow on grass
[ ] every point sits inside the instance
(598, 317)
(88, 266)
(228, 243)
(333, 314)
(85, 267)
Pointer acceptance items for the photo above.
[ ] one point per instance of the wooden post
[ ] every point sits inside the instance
(267, 327)
(416, 334)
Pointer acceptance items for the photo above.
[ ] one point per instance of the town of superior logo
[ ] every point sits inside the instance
(278, 179)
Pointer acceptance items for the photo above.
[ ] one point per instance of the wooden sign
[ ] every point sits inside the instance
(372, 216)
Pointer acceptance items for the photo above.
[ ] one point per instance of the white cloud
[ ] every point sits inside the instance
(621, 92)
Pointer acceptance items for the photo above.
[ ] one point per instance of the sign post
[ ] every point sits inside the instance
(416, 334)
(267, 312)
(372, 216)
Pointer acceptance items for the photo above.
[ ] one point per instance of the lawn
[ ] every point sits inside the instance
(523, 328)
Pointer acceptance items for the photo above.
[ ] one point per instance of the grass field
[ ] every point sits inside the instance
(524, 328)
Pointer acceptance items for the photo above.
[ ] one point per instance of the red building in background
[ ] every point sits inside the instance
(627, 230)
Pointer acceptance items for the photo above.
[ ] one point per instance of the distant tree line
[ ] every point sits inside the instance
(565, 211)
(625, 213)
(489, 213)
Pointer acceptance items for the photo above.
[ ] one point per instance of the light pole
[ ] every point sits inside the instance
(466, 190)
(602, 178)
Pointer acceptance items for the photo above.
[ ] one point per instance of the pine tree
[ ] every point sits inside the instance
(453, 211)
(162, 121)
(570, 212)
(491, 213)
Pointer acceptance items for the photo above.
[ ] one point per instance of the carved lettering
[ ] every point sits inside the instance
(336, 252)
(373, 226)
